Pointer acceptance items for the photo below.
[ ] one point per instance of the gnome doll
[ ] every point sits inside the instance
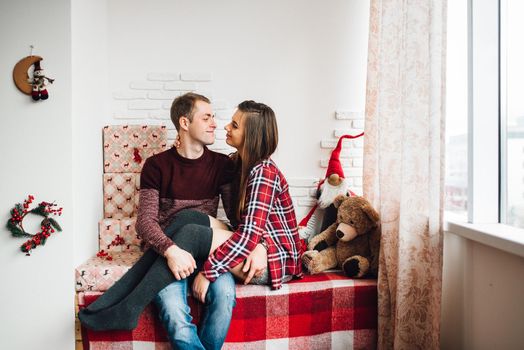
(331, 186)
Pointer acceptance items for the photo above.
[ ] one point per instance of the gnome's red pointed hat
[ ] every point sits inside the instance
(334, 167)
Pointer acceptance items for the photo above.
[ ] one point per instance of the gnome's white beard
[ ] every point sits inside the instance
(328, 193)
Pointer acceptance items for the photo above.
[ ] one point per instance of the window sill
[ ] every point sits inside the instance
(507, 238)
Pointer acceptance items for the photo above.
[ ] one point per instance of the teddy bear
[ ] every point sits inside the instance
(352, 243)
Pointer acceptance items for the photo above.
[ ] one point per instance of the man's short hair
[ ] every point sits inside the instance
(184, 106)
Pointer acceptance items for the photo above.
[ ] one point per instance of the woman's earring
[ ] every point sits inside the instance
(177, 142)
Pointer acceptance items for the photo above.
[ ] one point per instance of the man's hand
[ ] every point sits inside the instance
(180, 262)
(200, 287)
(255, 263)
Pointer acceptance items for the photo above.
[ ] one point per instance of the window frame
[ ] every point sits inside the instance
(486, 132)
(503, 113)
(484, 112)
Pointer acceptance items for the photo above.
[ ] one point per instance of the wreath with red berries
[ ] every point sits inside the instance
(47, 226)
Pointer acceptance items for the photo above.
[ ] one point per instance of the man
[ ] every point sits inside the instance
(187, 176)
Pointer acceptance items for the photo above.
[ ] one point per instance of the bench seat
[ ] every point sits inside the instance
(324, 311)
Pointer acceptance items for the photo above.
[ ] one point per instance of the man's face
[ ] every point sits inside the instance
(203, 126)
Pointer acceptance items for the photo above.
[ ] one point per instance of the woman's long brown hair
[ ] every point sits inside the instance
(260, 141)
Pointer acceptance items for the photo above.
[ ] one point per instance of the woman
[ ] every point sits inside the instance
(264, 211)
(266, 221)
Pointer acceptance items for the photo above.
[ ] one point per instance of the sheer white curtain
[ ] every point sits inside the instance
(404, 165)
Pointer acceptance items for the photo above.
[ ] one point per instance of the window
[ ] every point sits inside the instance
(512, 112)
(485, 111)
(456, 184)
(494, 151)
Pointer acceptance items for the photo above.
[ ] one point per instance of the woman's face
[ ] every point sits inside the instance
(235, 131)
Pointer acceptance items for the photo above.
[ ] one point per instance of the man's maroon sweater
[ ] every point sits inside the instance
(170, 183)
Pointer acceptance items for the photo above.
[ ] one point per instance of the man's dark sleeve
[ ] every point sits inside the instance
(229, 190)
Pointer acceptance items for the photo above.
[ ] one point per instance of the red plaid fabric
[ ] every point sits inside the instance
(324, 311)
(269, 214)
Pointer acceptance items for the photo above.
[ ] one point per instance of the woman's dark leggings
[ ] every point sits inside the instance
(120, 306)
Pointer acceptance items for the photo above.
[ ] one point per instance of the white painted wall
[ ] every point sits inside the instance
(90, 96)
(36, 297)
(305, 59)
(482, 296)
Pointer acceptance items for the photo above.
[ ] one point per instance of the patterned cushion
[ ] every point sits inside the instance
(126, 147)
(124, 228)
(98, 274)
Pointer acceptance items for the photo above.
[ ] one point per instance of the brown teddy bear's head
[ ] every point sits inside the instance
(355, 217)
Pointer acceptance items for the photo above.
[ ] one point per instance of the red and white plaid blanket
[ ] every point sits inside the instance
(324, 311)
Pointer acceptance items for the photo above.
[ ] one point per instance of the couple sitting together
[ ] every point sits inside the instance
(188, 246)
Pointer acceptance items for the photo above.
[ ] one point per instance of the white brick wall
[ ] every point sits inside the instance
(348, 115)
(340, 132)
(163, 76)
(223, 114)
(220, 104)
(145, 85)
(148, 102)
(144, 104)
(162, 115)
(181, 86)
(304, 191)
(163, 95)
(195, 76)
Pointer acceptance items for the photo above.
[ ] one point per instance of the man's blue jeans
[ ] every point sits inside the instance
(174, 314)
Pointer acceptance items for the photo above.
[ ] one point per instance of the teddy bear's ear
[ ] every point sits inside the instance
(338, 200)
(370, 212)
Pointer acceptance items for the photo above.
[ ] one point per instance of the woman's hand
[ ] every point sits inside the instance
(255, 263)
(200, 287)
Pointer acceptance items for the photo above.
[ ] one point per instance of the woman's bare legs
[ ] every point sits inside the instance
(221, 235)
(215, 223)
